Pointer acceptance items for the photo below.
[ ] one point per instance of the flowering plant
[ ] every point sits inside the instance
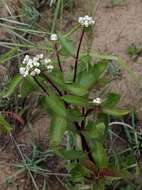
(74, 109)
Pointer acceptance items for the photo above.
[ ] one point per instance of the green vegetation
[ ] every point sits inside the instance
(118, 2)
(134, 51)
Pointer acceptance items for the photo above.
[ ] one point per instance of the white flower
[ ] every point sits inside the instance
(53, 37)
(86, 21)
(47, 60)
(22, 70)
(50, 68)
(35, 59)
(26, 59)
(97, 101)
(36, 64)
(26, 73)
(32, 65)
(33, 73)
(37, 71)
(38, 57)
(41, 56)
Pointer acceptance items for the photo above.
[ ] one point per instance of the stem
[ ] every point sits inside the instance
(89, 112)
(83, 121)
(85, 145)
(58, 57)
(77, 55)
(40, 85)
(52, 84)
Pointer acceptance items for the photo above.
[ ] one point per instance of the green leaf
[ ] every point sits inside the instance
(102, 118)
(57, 78)
(100, 155)
(88, 78)
(57, 130)
(6, 128)
(71, 154)
(28, 86)
(78, 172)
(117, 174)
(76, 89)
(67, 47)
(74, 115)
(75, 100)
(116, 112)
(111, 100)
(54, 103)
(12, 86)
(95, 131)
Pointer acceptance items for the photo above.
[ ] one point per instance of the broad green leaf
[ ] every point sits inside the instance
(117, 174)
(102, 118)
(67, 47)
(28, 86)
(111, 100)
(75, 100)
(57, 78)
(57, 130)
(4, 125)
(100, 155)
(45, 107)
(88, 78)
(71, 154)
(54, 103)
(116, 112)
(78, 172)
(76, 89)
(12, 86)
(74, 115)
(95, 131)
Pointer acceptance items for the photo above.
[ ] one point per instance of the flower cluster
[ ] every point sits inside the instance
(32, 66)
(97, 101)
(86, 21)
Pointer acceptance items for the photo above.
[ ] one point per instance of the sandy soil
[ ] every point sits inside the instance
(116, 29)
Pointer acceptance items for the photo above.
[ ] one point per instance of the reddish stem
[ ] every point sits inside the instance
(40, 85)
(53, 85)
(58, 57)
(77, 55)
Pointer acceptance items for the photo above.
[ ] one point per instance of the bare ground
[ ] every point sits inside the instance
(116, 29)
